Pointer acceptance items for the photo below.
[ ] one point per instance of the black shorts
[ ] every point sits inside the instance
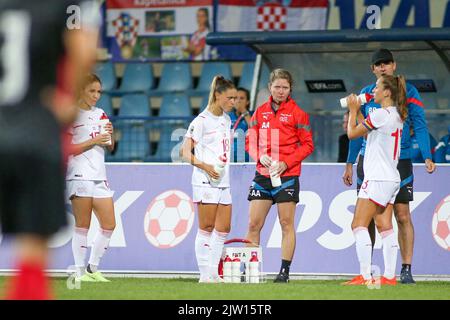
(261, 189)
(405, 168)
(31, 174)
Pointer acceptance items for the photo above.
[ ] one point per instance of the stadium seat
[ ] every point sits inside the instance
(169, 143)
(246, 78)
(137, 77)
(105, 103)
(133, 145)
(204, 102)
(175, 77)
(175, 105)
(209, 71)
(134, 105)
(105, 71)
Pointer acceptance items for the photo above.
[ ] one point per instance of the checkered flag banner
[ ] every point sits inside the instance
(271, 17)
(126, 29)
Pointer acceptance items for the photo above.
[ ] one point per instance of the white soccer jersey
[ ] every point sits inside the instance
(89, 165)
(212, 135)
(383, 145)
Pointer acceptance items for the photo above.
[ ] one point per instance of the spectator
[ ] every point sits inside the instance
(442, 149)
(240, 120)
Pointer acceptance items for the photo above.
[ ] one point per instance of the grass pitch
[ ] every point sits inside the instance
(189, 289)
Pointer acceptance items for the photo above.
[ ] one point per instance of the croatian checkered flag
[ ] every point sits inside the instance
(271, 17)
(126, 29)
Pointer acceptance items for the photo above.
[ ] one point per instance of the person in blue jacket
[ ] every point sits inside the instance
(240, 120)
(442, 149)
(383, 63)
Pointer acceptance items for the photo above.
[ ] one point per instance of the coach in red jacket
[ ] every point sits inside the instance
(279, 139)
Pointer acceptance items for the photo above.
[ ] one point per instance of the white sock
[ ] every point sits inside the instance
(202, 249)
(101, 242)
(364, 251)
(79, 248)
(390, 250)
(217, 241)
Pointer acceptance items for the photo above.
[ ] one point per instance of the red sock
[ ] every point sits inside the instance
(29, 284)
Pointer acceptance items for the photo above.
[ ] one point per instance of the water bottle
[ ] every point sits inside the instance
(102, 124)
(363, 98)
(254, 268)
(219, 167)
(274, 178)
(227, 269)
(236, 270)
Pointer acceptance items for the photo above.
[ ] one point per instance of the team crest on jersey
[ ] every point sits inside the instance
(191, 129)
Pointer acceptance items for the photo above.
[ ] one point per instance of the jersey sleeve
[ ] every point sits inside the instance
(195, 130)
(376, 119)
(416, 115)
(304, 134)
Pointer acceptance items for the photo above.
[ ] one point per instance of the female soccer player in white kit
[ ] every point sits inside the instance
(87, 187)
(381, 177)
(209, 135)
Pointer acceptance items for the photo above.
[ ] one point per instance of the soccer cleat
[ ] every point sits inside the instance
(282, 277)
(97, 276)
(359, 281)
(406, 276)
(388, 282)
(85, 278)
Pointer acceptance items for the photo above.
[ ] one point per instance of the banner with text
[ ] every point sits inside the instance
(157, 222)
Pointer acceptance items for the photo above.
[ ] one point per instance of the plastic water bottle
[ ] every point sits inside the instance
(219, 167)
(274, 178)
(254, 268)
(227, 269)
(236, 270)
(363, 98)
(102, 124)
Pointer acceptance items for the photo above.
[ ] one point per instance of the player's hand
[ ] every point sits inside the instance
(430, 166)
(265, 160)
(209, 169)
(353, 103)
(279, 168)
(102, 139)
(348, 175)
(109, 128)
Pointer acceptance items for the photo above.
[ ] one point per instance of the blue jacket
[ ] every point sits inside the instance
(416, 117)
(416, 155)
(442, 150)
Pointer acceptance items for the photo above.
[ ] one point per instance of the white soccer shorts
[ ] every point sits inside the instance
(88, 188)
(211, 195)
(379, 192)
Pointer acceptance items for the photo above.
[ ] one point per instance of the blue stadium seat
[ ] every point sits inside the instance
(169, 144)
(105, 103)
(133, 145)
(134, 105)
(175, 105)
(105, 71)
(175, 77)
(211, 69)
(246, 79)
(137, 77)
(204, 102)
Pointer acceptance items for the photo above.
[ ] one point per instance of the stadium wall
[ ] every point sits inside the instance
(156, 223)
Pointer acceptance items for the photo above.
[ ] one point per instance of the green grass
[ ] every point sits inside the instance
(170, 289)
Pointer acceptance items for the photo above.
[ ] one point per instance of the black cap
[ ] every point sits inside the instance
(382, 55)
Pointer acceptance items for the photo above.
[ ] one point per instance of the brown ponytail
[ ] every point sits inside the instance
(397, 86)
(219, 84)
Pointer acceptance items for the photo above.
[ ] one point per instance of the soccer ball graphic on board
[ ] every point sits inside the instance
(441, 223)
(169, 219)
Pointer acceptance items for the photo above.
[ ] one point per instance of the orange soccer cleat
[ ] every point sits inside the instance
(388, 282)
(357, 281)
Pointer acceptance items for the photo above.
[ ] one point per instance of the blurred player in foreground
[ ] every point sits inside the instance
(87, 187)
(209, 135)
(383, 64)
(381, 178)
(279, 139)
(41, 63)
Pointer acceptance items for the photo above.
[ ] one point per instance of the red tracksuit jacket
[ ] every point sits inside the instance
(284, 135)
